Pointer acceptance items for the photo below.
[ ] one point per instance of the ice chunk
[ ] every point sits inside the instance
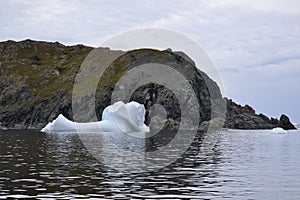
(278, 130)
(119, 117)
(60, 124)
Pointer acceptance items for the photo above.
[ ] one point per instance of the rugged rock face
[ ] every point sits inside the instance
(244, 117)
(36, 82)
(153, 93)
(284, 122)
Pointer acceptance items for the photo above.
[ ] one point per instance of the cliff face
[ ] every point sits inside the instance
(244, 117)
(36, 82)
(153, 93)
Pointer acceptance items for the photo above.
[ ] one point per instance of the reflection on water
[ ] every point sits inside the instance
(241, 165)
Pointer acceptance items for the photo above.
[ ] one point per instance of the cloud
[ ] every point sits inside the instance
(255, 44)
(229, 70)
(283, 6)
(271, 88)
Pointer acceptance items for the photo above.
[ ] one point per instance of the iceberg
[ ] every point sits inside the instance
(278, 130)
(119, 117)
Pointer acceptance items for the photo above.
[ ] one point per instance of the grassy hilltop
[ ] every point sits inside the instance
(37, 78)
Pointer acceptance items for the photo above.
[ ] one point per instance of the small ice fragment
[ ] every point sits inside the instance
(278, 130)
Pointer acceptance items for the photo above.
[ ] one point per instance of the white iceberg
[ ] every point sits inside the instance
(278, 130)
(119, 117)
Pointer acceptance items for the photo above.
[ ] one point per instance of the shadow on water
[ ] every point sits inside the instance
(59, 165)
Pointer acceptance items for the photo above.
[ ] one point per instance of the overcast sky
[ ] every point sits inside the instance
(255, 44)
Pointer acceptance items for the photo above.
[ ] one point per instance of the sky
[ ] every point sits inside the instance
(254, 44)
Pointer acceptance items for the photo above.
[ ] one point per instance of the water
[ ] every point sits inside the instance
(240, 165)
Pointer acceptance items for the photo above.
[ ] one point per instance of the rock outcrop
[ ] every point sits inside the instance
(244, 117)
(285, 123)
(36, 82)
(152, 93)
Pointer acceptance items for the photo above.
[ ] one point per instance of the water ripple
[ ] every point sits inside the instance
(242, 165)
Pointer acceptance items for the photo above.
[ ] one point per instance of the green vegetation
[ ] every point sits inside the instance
(45, 67)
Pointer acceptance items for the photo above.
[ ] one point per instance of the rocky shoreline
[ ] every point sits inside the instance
(36, 82)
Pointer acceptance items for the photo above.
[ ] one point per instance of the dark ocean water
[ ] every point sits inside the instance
(238, 165)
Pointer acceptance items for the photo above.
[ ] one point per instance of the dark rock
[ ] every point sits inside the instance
(284, 122)
(274, 121)
(248, 109)
(36, 81)
(244, 117)
(152, 93)
(264, 117)
(247, 121)
(32, 95)
(211, 125)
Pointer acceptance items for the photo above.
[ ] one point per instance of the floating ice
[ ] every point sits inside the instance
(278, 130)
(119, 117)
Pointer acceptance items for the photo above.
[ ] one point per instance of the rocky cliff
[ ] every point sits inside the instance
(245, 117)
(36, 82)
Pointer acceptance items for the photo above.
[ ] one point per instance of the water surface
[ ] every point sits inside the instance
(240, 165)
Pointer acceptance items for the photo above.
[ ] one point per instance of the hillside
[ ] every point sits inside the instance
(36, 83)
